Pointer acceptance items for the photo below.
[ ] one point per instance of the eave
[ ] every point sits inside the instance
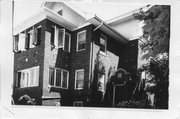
(42, 14)
(108, 30)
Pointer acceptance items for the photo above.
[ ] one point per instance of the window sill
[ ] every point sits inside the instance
(28, 86)
(103, 53)
(80, 50)
(78, 89)
(50, 86)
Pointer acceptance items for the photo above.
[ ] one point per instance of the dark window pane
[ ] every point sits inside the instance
(52, 35)
(51, 76)
(64, 81)
(39, 36)
(58, 77)
(81, 46)
(66, 45)
(103, 43)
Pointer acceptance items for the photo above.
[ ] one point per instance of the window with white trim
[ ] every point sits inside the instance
(79, 79)
(78, 103)
(26, 40)
(30, 39)
(103, 43)
(28, 77)
(60, 38)
(58, 77)
(81, 40)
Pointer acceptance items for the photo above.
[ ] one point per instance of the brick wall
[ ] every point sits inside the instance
(27, 59)
(112, 56)
(71, 61)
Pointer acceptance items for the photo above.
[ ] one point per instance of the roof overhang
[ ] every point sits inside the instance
(125, 17)
(42, 14)
(108, 30)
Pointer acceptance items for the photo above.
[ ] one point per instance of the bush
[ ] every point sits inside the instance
(133, 104)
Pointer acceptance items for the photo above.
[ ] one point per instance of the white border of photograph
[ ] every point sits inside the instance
(6, 76)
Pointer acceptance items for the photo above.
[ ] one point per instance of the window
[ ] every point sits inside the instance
(78, 103)
(79, 79)
(60, 11)
(21, 44)
(27, 40)
(33, 37)
(15, 43)
(28, 77)
(120, 75)
(101, 82)
(58, 77)
(81, 40)
(30, 39)
(60, 38)
(57, 37)
(103, 40)
(67, 42)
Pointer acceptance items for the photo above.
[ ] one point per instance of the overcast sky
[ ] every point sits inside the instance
(104, 10)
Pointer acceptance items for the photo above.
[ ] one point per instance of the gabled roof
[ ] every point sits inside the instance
(45, 12)
(72, 7)
(42, 14)
(96, 21)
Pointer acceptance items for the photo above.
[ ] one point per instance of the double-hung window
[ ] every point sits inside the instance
(28, 77)
(79, 79)
(58, 77)
(103, 43)
(81, 40)
(60, 38)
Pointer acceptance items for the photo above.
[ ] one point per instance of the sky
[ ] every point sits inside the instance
(104, 10)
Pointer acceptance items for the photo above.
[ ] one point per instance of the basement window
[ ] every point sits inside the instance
(78, 103)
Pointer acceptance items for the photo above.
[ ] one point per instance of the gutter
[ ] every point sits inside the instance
(103, 23)
(98, 26)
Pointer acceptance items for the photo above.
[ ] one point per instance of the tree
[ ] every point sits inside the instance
(155, 38)
(156, 29)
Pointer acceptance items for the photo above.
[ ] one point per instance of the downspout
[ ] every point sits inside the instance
(97, 18)
(98, 26)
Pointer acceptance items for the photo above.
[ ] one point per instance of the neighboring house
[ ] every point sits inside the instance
(55, 52)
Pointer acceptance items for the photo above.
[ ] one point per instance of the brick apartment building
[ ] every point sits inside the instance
(55, 52)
